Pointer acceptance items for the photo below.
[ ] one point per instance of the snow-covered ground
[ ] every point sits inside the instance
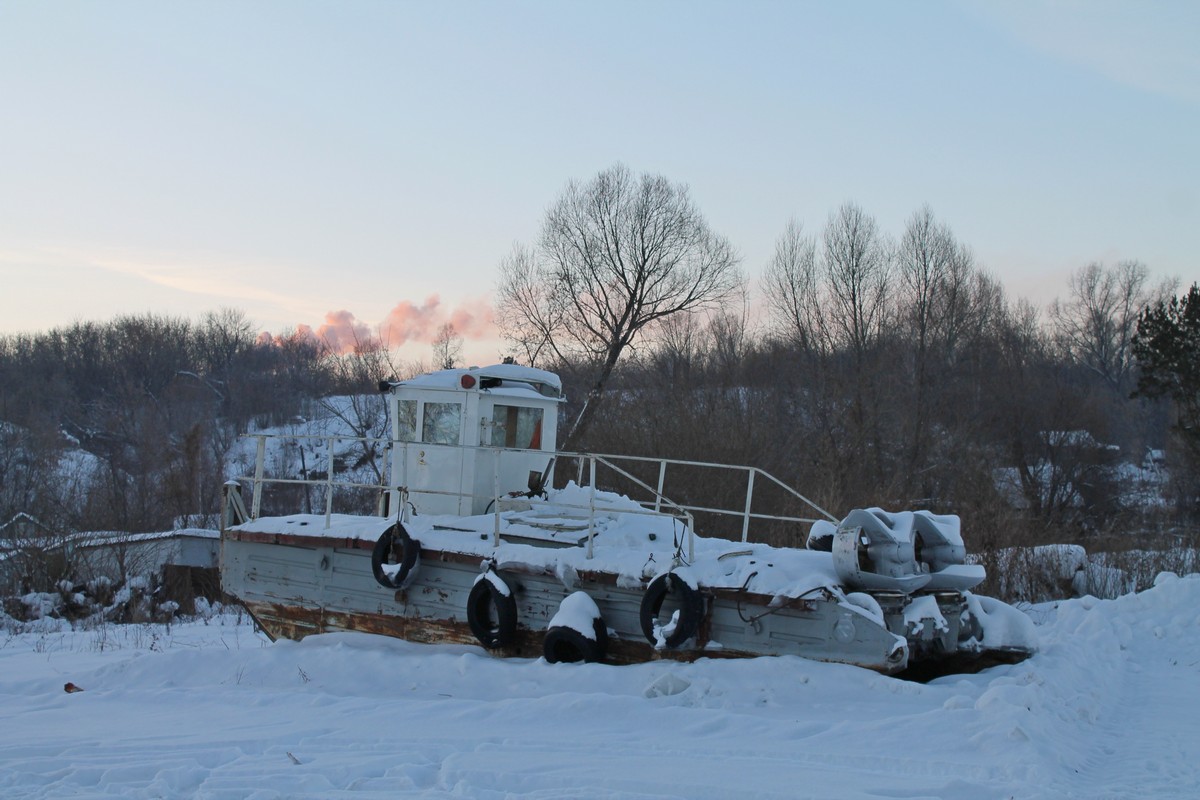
(1108, 708)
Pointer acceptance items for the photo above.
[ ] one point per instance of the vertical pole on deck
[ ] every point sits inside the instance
(402, 483)
(662, 477)
(691, 524)
(591, 505)
(259, 457)
(749, 500)
(496, 495)
(329, 484)
(384, 481)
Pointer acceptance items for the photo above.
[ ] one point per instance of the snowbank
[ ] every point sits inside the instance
(1105, 709)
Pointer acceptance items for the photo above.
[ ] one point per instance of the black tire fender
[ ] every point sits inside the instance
(564, 644)
(396, 546)
(691, 608)
(497, 629)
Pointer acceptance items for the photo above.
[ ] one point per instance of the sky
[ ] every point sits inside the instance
(360, 163)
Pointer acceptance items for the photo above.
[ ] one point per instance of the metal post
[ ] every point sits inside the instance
(591, 505)
(496, 495)
(691, 526)
(662, 477)
(385, 492)
(259, 457)
(329, 484)
(749, 500)
(402, 484)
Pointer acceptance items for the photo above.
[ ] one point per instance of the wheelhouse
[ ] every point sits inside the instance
(463, 437)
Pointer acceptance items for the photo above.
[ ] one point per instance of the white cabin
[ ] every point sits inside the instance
(464, 437)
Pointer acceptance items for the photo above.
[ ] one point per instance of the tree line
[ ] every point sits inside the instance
(891, 371)
(124, 425)
(885, 370)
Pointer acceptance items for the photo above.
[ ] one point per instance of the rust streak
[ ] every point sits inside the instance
(280, 620)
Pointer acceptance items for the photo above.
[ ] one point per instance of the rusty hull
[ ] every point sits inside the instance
(293, 591)
(284, 621)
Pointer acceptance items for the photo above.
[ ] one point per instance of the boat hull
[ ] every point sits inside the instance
(296, 585)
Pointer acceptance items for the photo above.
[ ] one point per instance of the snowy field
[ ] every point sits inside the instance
(1108, 708)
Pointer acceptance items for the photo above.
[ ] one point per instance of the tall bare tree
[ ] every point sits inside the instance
(447, 347)
(924, 261)
(615, 254)
(856, 261)
(1095, 327)
(729, 334)
(677, 348)
(791, 286)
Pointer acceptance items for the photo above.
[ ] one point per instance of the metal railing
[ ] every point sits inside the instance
(260, 479)
(620, 465)
(745, 513)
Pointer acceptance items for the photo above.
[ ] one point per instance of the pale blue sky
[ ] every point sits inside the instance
(292, 159)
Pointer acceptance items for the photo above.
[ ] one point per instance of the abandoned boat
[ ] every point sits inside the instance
(478, 537)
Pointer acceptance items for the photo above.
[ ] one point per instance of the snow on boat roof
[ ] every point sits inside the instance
(542, 382)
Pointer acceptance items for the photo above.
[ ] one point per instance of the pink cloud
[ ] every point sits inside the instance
(407, 322)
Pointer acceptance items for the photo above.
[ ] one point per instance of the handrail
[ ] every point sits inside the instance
(657, 505)
(659, 497)
(259, 480)
(715, 465)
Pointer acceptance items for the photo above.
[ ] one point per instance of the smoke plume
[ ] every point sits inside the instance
(407, 322)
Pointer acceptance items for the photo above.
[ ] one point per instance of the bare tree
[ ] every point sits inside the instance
(362, 409)
(529, 309)
(677, 347)
(616, 254)
(447, 347)
(943, 303)
(1095, 327)
(832, 300)
(856, 262)
(970, 305)
(791, 286)
(924, 261)
(730, 337)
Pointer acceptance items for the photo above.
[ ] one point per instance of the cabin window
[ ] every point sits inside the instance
(406, 420)
(517, 427)
(442, 423)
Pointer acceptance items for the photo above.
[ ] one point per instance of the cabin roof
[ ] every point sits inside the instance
(496, 376)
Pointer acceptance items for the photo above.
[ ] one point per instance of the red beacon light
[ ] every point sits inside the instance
(467, 381)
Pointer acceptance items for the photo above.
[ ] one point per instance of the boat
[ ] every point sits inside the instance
(483, 533)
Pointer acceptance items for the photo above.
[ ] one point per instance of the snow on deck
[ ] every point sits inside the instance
(628, 542)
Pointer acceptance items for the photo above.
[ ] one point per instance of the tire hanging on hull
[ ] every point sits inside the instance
(491, 593)
(394, 547)
(689, 612)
